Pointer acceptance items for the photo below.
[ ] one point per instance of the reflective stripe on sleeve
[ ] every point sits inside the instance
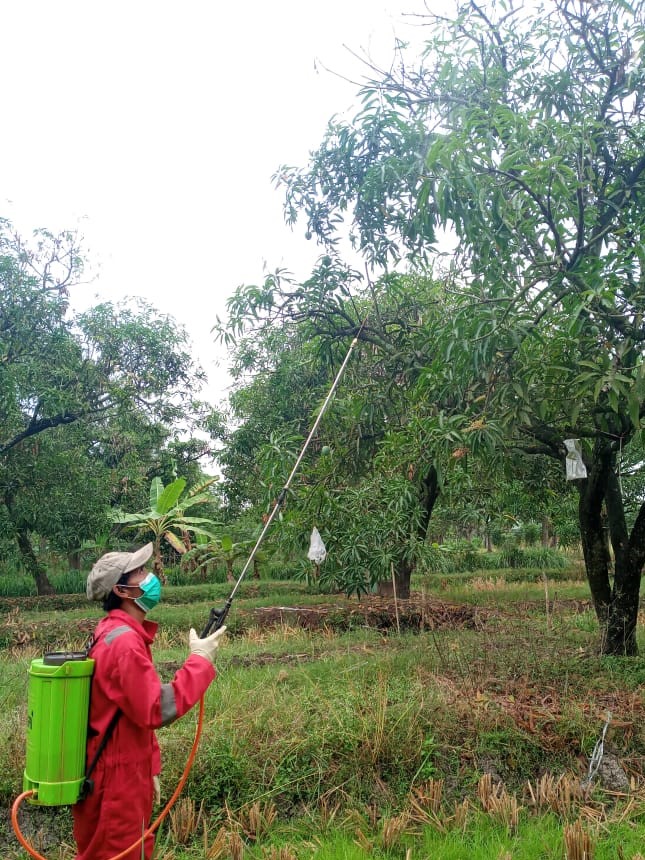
(168, 705)
(114, 634)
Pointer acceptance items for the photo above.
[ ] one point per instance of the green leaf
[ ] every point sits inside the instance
(198, 530)
(168, 499)
(633, 405)
(200, 489)
(156, 489)
(194, 521)
(121, 517)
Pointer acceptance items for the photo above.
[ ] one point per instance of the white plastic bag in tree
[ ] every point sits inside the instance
(317, 552)
(576, 469)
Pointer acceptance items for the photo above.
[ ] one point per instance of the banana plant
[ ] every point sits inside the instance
(211, 551)
(166, 517)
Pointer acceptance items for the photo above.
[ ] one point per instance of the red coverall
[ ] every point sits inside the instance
(115, 814)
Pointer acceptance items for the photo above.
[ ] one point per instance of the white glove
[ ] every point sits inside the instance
(205, 647)
(156, 788)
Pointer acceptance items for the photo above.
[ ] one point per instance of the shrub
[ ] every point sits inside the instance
(541, 557)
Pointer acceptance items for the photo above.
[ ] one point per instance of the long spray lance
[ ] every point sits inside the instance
(217, 616)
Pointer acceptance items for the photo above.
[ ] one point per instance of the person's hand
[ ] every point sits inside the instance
(156, 788)
(205, 647)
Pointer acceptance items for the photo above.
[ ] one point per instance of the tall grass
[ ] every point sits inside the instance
(14, 583)
(334, 744)
(461, 556)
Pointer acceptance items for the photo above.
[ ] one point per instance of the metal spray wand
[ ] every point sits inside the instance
(217, 616)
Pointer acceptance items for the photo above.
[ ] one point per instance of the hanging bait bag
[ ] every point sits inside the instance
(317, 551)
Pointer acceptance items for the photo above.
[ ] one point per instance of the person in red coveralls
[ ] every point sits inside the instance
(125, 780)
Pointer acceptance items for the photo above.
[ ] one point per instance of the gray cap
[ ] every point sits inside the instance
(110, 567)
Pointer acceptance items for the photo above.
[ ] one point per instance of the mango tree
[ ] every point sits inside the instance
(520, 133)
(70, 387)
(395, 320)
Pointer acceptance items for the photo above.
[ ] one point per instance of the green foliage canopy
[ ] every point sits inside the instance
(85, 400)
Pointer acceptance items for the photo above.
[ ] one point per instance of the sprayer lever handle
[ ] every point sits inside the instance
(215, 620)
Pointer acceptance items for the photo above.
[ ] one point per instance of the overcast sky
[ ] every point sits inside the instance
(154, 128)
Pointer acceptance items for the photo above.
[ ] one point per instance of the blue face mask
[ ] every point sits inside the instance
(151, 596)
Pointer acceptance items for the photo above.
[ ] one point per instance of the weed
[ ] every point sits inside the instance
(427, 768)
(322, 724)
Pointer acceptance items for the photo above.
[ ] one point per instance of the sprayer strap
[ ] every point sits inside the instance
(91, 642)
(106, 737)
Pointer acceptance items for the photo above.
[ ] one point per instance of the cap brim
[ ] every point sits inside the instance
(139, 558)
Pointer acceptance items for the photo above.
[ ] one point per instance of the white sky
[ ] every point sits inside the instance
(154, 128)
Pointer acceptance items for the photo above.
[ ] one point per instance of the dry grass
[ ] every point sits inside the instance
(506, 810)
(392, 829)
(368, 845)
(166, 639)
(235, 846)
(185, 819)
(562, 795)
(327, 812)
(460, 814)
(486, 791)
(254, 820)
(428, 796)
(425, 804)
(498, 803)
(279, 633)
(282, 853)
(489, 583)
(215, 848)
(577, 842)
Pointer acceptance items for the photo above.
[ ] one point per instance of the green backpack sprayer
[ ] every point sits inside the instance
(58, 701)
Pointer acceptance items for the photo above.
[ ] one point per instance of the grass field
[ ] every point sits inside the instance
(456, 725)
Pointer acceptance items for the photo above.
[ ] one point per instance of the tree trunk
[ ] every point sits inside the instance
(157, 565)
(428, 495)
(592, 493)
(74, 560)
(616, 607)
(29, 559)
(629, 555)
(402, 576)
(545, 532)
(31, 563)
(619, 639)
